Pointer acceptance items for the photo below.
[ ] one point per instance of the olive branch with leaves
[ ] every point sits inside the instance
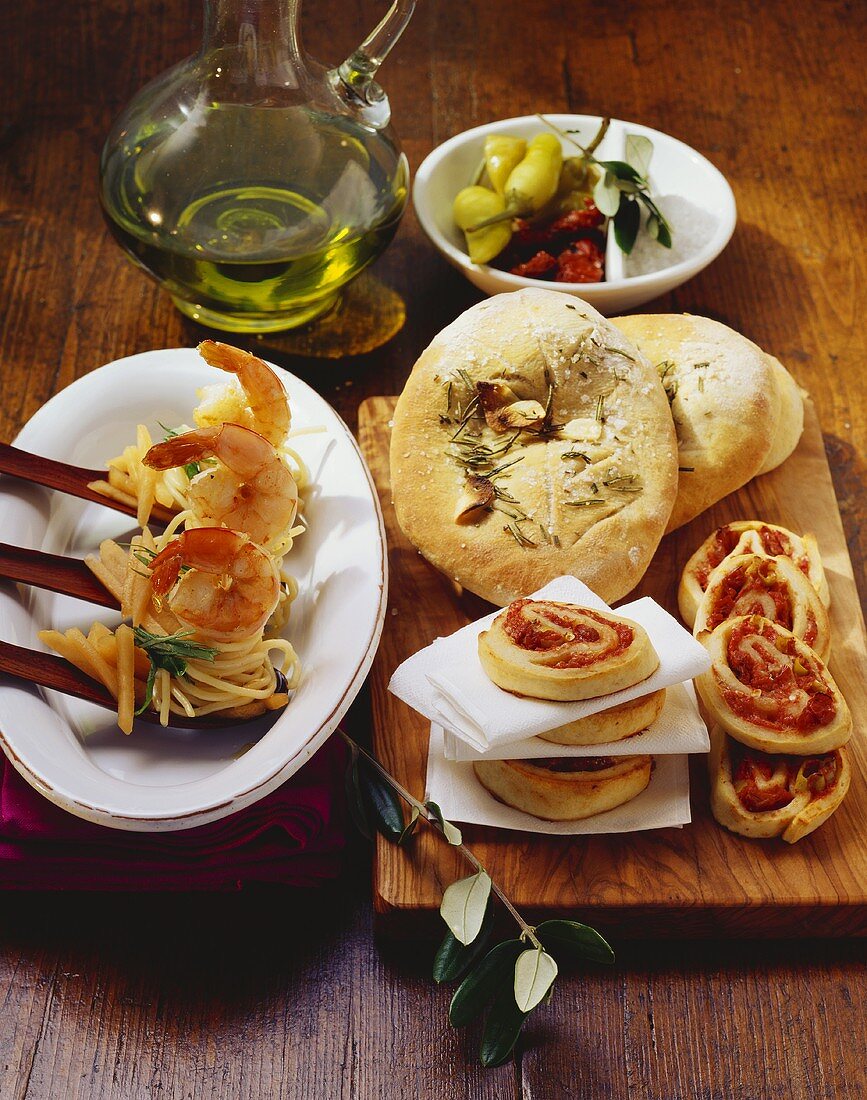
(507, 980)
(623, 185)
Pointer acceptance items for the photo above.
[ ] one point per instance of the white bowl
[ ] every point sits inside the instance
(676, 169)
(158, 779)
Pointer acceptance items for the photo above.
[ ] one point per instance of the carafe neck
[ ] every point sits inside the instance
(254, 42)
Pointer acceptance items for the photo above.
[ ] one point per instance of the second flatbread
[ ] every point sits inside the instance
(724, 400)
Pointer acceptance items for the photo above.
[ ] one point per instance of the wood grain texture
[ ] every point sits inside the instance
(697, 880)
(283, 995)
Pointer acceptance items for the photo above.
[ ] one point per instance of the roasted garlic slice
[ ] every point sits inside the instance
(504, 410)
(520, 414)
(478, 494)
(585, 428)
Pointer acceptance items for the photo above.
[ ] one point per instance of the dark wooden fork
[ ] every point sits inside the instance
(72, 480)
(71, 577)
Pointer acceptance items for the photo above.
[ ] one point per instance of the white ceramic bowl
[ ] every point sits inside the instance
(157, 779)
(676, 169)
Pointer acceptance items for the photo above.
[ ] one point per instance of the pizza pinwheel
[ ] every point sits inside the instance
(750, 584)
(565, 789)
(551, 650)
(758, 795)
(750, 536)
(613, 724)
(770, 691)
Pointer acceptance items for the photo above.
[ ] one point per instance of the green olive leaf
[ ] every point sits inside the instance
(410, 827)
(354, 797)
(663, 235)
(639, 152)
(464, 904)
(452, 832)
(385, 810)
(494, 974)
(606, 195)
(569, 939)
(453, 959)
(622, 171)
(626, 223)
(535, 970)
(657, 226)
(502, 1028)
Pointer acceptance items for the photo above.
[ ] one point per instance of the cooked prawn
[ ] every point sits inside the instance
(250, 490)
(258, 401)
(231, 586)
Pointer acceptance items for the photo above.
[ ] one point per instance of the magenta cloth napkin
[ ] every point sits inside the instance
(293, 836)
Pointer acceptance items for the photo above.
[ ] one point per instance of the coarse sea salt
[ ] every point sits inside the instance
(691, 228)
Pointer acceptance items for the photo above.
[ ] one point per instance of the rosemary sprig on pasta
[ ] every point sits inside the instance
(171, 652)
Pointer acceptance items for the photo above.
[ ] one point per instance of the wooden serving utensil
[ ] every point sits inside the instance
(72, 480)
(51, 671)
(71, 577)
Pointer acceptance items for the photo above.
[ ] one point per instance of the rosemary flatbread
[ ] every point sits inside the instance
(790, 424)
(725, 403)
(533, 440)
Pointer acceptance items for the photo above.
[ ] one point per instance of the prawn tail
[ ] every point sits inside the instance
(222, 356)
(166, 567)
(181, 449)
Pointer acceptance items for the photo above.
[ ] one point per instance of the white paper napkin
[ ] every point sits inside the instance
(461, 797)
(679, 729)
(447, 684)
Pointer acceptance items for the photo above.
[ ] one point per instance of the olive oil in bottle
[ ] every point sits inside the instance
(266, 248)
(250, 181)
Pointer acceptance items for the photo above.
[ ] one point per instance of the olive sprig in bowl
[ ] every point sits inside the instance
(564, 197)
(579, 191)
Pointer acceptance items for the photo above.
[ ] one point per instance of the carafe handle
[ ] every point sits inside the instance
(356, 73)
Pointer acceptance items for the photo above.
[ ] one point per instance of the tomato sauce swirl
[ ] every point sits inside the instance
(789, 690)
(725, 539)
(764, 783)
(564, 626)
(574, 763)
(745, 592)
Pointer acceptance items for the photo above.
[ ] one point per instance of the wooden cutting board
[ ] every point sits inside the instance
(700, 880)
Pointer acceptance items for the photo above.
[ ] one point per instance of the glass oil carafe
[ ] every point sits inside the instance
(251, 182)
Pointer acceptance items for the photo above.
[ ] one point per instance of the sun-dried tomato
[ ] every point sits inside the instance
(582, 263)
(541, 266)
(818, 712)
(536, 246)
(774, 542)
(575, 220)
(530, 236)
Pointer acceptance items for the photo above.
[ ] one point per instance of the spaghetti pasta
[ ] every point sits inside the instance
(255, 400)
(195, 641)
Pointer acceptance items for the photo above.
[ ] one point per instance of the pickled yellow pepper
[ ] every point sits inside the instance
(476, 204)
(533, 182)
(502, 154)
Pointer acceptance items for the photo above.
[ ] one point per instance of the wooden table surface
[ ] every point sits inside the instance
(275, 993)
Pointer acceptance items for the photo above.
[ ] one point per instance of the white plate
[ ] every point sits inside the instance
(158, 780)
(676, 169)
